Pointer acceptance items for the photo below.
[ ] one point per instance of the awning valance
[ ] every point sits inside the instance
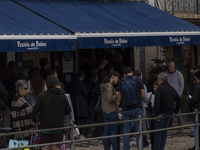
(23, 30)
(99, 24)
(54, 25)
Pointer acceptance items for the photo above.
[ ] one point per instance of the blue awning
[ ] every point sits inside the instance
(23, 30)
(99, 24)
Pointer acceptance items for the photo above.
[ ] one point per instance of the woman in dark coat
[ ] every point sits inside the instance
(79, 93)
(10, 80)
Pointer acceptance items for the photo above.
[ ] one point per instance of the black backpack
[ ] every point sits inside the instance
(129, 91)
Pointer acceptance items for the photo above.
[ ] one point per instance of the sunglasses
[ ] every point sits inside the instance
(25, 88)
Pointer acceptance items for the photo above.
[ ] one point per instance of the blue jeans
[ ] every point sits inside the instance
(110, 130)
(130, 115)
(192, 130)
(161, 137)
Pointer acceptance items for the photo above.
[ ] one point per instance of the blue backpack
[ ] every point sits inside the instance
(129, 91)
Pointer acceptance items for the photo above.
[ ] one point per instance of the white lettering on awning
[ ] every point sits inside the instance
(31, 45)
(115, 42)
(179, 40)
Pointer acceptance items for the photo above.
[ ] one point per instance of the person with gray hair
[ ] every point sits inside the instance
(165, 97)
(21, 110)
(176, 80)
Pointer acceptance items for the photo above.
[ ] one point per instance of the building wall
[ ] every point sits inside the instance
(136, 58)
(150, 53)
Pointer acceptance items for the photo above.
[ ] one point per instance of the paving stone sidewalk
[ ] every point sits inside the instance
(174, 142)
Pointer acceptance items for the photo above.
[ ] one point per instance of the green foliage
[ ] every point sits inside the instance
(159, 66)
(184, 105)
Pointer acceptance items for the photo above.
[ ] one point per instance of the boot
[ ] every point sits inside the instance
(191, 148)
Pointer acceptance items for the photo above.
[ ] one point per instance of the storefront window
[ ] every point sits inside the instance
(31, 59)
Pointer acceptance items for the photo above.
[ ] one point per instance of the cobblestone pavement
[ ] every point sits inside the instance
(174, 142)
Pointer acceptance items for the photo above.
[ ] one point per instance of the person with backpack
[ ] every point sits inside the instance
(3, 100)
(131, 92)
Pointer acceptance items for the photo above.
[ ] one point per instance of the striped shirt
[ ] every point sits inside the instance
(21, 115)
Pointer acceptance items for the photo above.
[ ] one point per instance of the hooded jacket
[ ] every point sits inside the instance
(51, 105)
(108, 97)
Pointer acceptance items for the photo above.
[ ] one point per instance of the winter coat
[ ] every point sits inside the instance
(78, 93)
(10, 87)
(108, 97)
(166, 95)
(195, 101)
(3, 100)
(21, 115)
(51, 106)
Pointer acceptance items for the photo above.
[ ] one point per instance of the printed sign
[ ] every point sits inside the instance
(34, 45)
(115, 42)
(180, 40)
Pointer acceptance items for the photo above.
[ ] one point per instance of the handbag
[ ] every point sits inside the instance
(36, 137)
(13, 143)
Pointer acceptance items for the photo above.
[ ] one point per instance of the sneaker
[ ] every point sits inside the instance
(89, 135)
(77, 137)
(82, 137)
(191, 135)
(191, 148)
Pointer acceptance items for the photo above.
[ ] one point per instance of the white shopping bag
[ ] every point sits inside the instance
(18, 143)
(76, 131)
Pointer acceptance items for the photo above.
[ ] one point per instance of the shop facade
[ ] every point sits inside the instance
(71, 32)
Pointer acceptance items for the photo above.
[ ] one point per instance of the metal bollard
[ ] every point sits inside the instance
(140, 133)
(196, 130)
(72, 137)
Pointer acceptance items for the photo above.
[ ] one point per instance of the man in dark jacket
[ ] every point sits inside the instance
(3, 102)
(165, 97)
(51, 105)
(195, 101)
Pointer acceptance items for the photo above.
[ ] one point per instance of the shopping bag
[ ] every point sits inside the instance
(76, 131)
(13, 143)
(36, 139)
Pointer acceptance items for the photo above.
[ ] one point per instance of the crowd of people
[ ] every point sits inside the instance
(111, 93)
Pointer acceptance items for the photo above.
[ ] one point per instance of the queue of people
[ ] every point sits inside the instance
(121, 93)
(36, 101)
